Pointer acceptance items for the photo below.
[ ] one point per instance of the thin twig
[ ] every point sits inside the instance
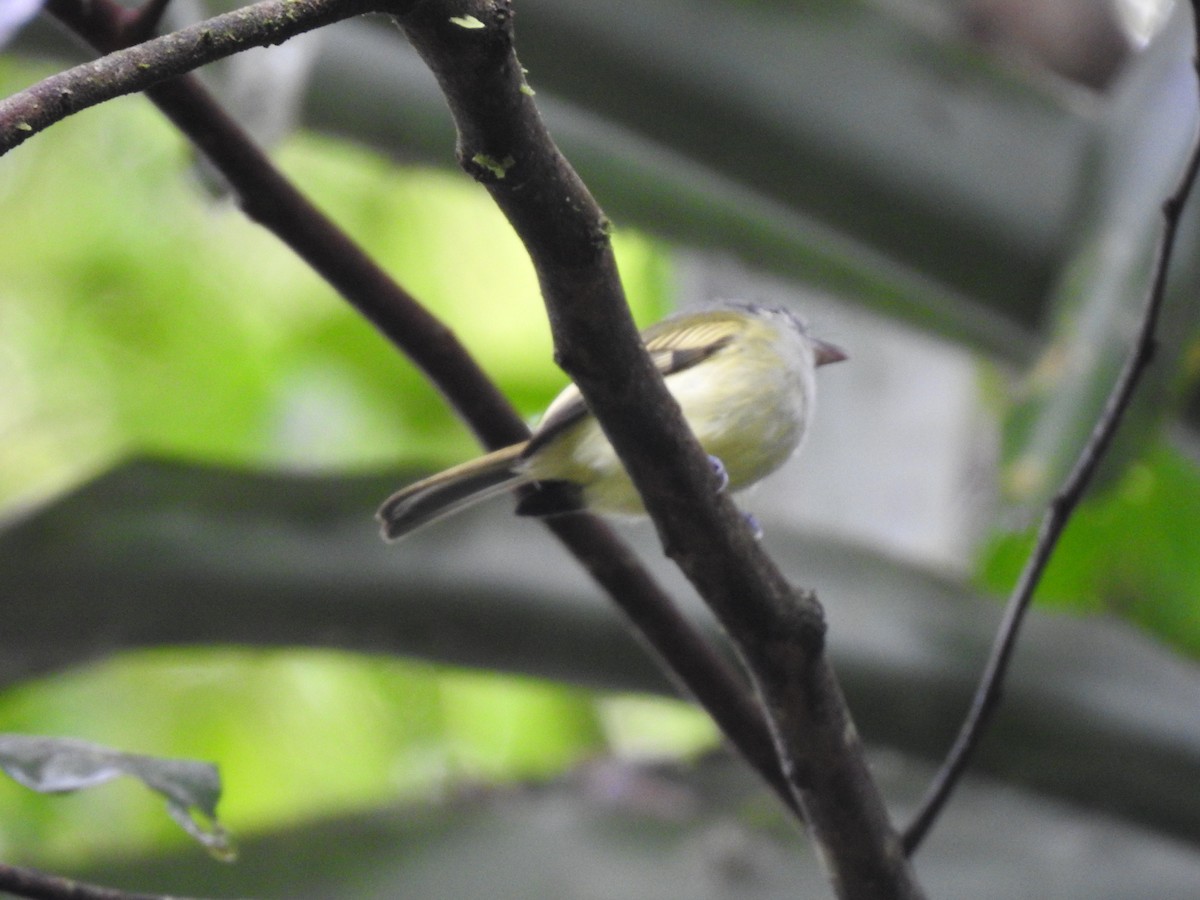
(24, 882)
(136, 68)
(274, 202)
(1059, 511)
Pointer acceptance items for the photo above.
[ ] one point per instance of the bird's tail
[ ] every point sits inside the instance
(449, 491)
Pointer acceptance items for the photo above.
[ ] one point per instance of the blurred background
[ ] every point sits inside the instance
(195, 432)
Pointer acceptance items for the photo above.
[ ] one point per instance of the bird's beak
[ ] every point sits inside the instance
(826, 352)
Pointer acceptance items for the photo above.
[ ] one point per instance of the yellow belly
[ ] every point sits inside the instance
(751, 424)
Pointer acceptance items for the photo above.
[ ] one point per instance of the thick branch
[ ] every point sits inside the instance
(272, 200)
(778, 631)
(1060, 509)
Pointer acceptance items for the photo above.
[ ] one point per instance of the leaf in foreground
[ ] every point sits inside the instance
(60, 765)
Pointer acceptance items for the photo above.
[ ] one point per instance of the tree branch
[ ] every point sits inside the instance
(269, 198)
(136, 68)
(778, 631)
(24, 882)
(1061, 507)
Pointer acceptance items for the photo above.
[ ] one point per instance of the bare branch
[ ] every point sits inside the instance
(136, 68)
(1060, 508)
(274, 202)
(23, 882)
(778, 631)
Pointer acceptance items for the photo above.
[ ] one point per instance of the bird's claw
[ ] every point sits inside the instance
(718, 469)
(755, 527)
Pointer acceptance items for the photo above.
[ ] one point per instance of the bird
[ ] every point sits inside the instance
(743, 374)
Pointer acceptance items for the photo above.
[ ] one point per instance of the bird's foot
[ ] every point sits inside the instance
(755, 527)
(718, 469)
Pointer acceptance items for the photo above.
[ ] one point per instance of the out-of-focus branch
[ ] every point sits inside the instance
(269, 198)
(24, 882)
(1061, 507)
(778, 631)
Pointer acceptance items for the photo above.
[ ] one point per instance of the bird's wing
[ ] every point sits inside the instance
(678, 344)
(674, 345)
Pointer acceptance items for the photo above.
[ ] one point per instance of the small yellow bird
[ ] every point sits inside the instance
(744, 376)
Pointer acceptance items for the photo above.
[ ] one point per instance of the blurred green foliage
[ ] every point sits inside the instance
(297, 734)
(140, 314)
